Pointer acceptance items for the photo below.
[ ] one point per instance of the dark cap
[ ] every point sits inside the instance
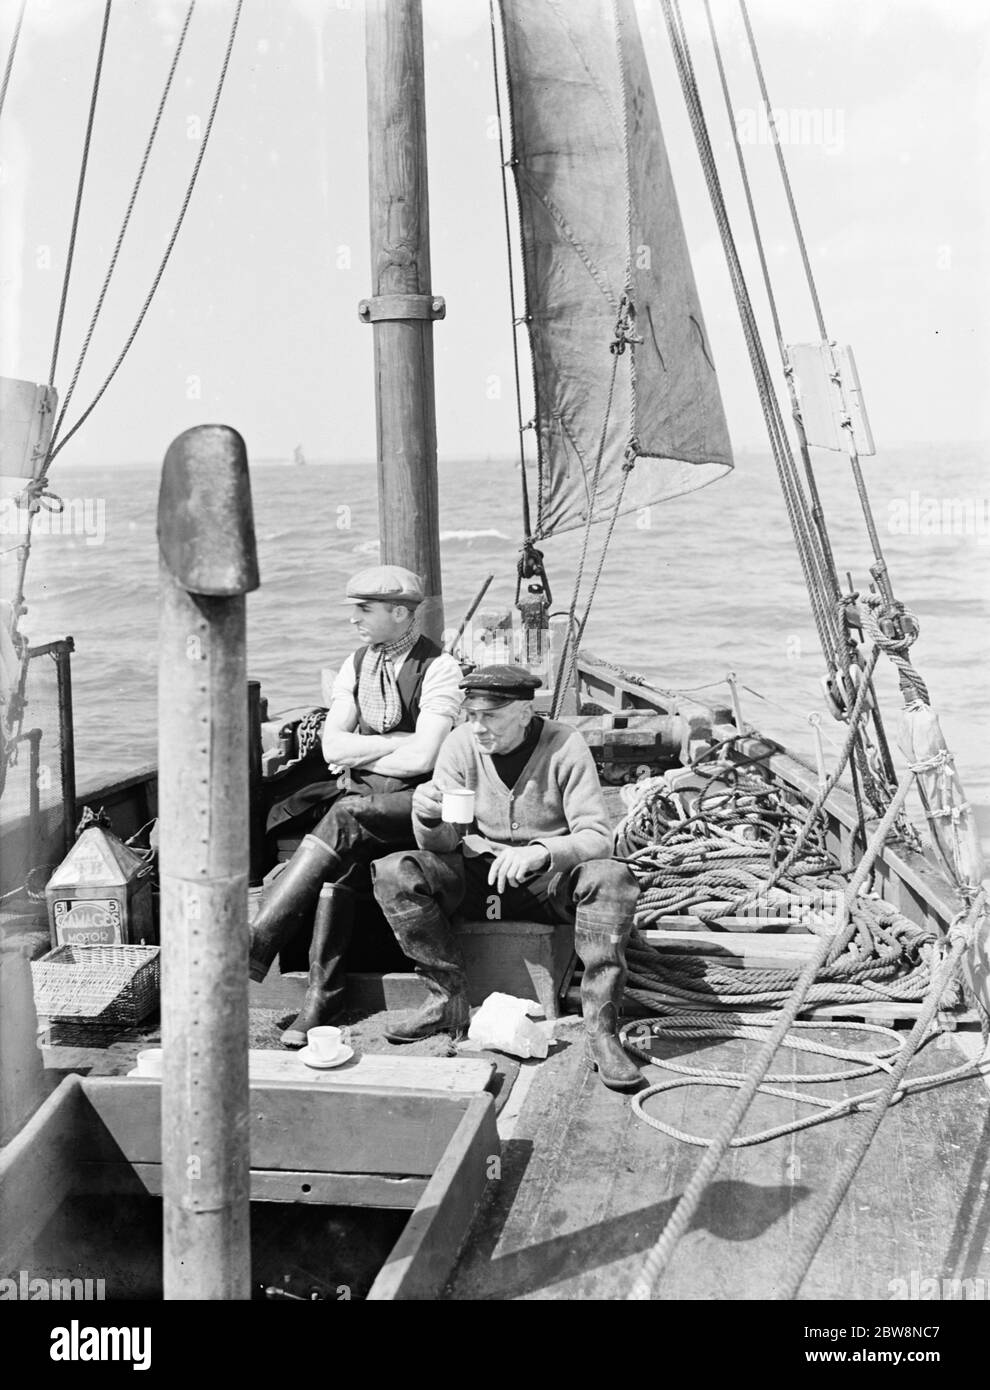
(500, 685)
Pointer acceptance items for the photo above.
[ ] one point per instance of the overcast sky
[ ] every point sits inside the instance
(255, 322)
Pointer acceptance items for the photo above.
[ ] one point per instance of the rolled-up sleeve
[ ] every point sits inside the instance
(441, 693)
(343, 682)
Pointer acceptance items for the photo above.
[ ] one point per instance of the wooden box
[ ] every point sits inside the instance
(320, 1143)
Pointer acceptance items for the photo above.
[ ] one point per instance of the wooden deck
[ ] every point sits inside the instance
(587, 1187)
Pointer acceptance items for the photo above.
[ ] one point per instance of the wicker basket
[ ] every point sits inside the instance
(106, 986)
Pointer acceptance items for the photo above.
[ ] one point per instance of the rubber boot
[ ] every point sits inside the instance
(429, 939)
(601, 996)
(332, 930)
(291, 900)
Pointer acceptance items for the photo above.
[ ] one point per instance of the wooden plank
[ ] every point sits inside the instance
(882, 1012)
(268, 1185)
(463, 1075)
(396, 989)
(94, 789)
(689, 923)
(976, 970)
(753, 950)
(424, 1255)
(890, 1012)
(296, 1126)
(22, 1072)
(369, 992)
(38, 1169)
(338, 1189)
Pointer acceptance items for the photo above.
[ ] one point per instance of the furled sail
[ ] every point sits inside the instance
(603, 245)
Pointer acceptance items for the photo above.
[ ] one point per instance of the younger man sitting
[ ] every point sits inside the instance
(394, 701)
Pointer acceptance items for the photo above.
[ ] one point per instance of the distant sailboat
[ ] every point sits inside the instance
(297, 454)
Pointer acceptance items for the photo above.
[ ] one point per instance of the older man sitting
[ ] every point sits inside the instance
(539, 848)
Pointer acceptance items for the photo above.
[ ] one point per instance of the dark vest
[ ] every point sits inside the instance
(409, 682)
(308, 785)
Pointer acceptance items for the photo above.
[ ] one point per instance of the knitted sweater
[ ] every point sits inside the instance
(557, 801)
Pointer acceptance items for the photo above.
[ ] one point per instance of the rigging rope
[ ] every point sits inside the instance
(124, 225)
(808, 527)
(36, 490)
(171, 241)
(817, 511)
(80, 185)
(809, 550)
(624, 335)
(524, 481)
(10, 55)
(879, 569)
(843, 651)
(569, 654)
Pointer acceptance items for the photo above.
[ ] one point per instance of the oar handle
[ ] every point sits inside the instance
(470, 613)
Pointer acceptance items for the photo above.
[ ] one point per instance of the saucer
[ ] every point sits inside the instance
(322, 1063)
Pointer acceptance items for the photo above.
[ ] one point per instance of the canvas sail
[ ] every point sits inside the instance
(602, 234)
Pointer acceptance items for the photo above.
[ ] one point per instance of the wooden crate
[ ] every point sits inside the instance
(426, 1152)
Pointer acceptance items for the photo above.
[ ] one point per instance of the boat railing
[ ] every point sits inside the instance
(38, 798)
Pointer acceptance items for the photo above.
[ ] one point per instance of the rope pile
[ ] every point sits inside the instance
(736, 847)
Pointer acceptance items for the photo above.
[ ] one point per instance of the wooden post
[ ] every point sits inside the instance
(22, 1068)
(402, 306)
(208, 565)
(256, 808)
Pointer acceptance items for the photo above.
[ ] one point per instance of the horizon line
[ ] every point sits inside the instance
(321, 461)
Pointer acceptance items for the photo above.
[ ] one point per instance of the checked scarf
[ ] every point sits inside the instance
(378, 692)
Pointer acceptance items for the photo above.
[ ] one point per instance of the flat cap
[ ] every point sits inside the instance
(501, 684)
(385, 584)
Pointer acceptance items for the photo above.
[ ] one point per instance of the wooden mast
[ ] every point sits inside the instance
(402, 306)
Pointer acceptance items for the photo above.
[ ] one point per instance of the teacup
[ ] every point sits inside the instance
(324, 1043)
(457, 807)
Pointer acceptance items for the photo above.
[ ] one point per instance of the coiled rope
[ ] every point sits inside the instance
(642, 861)
(682, 1215)
(960, 937)
(825, 1110)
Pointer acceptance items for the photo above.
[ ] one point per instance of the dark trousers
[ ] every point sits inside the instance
(359, 828)
(362, 828)
(600, 894)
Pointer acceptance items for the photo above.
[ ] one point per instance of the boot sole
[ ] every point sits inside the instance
(614, 1084)
(456, 1034)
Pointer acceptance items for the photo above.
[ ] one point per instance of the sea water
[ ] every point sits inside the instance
(693, 588)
